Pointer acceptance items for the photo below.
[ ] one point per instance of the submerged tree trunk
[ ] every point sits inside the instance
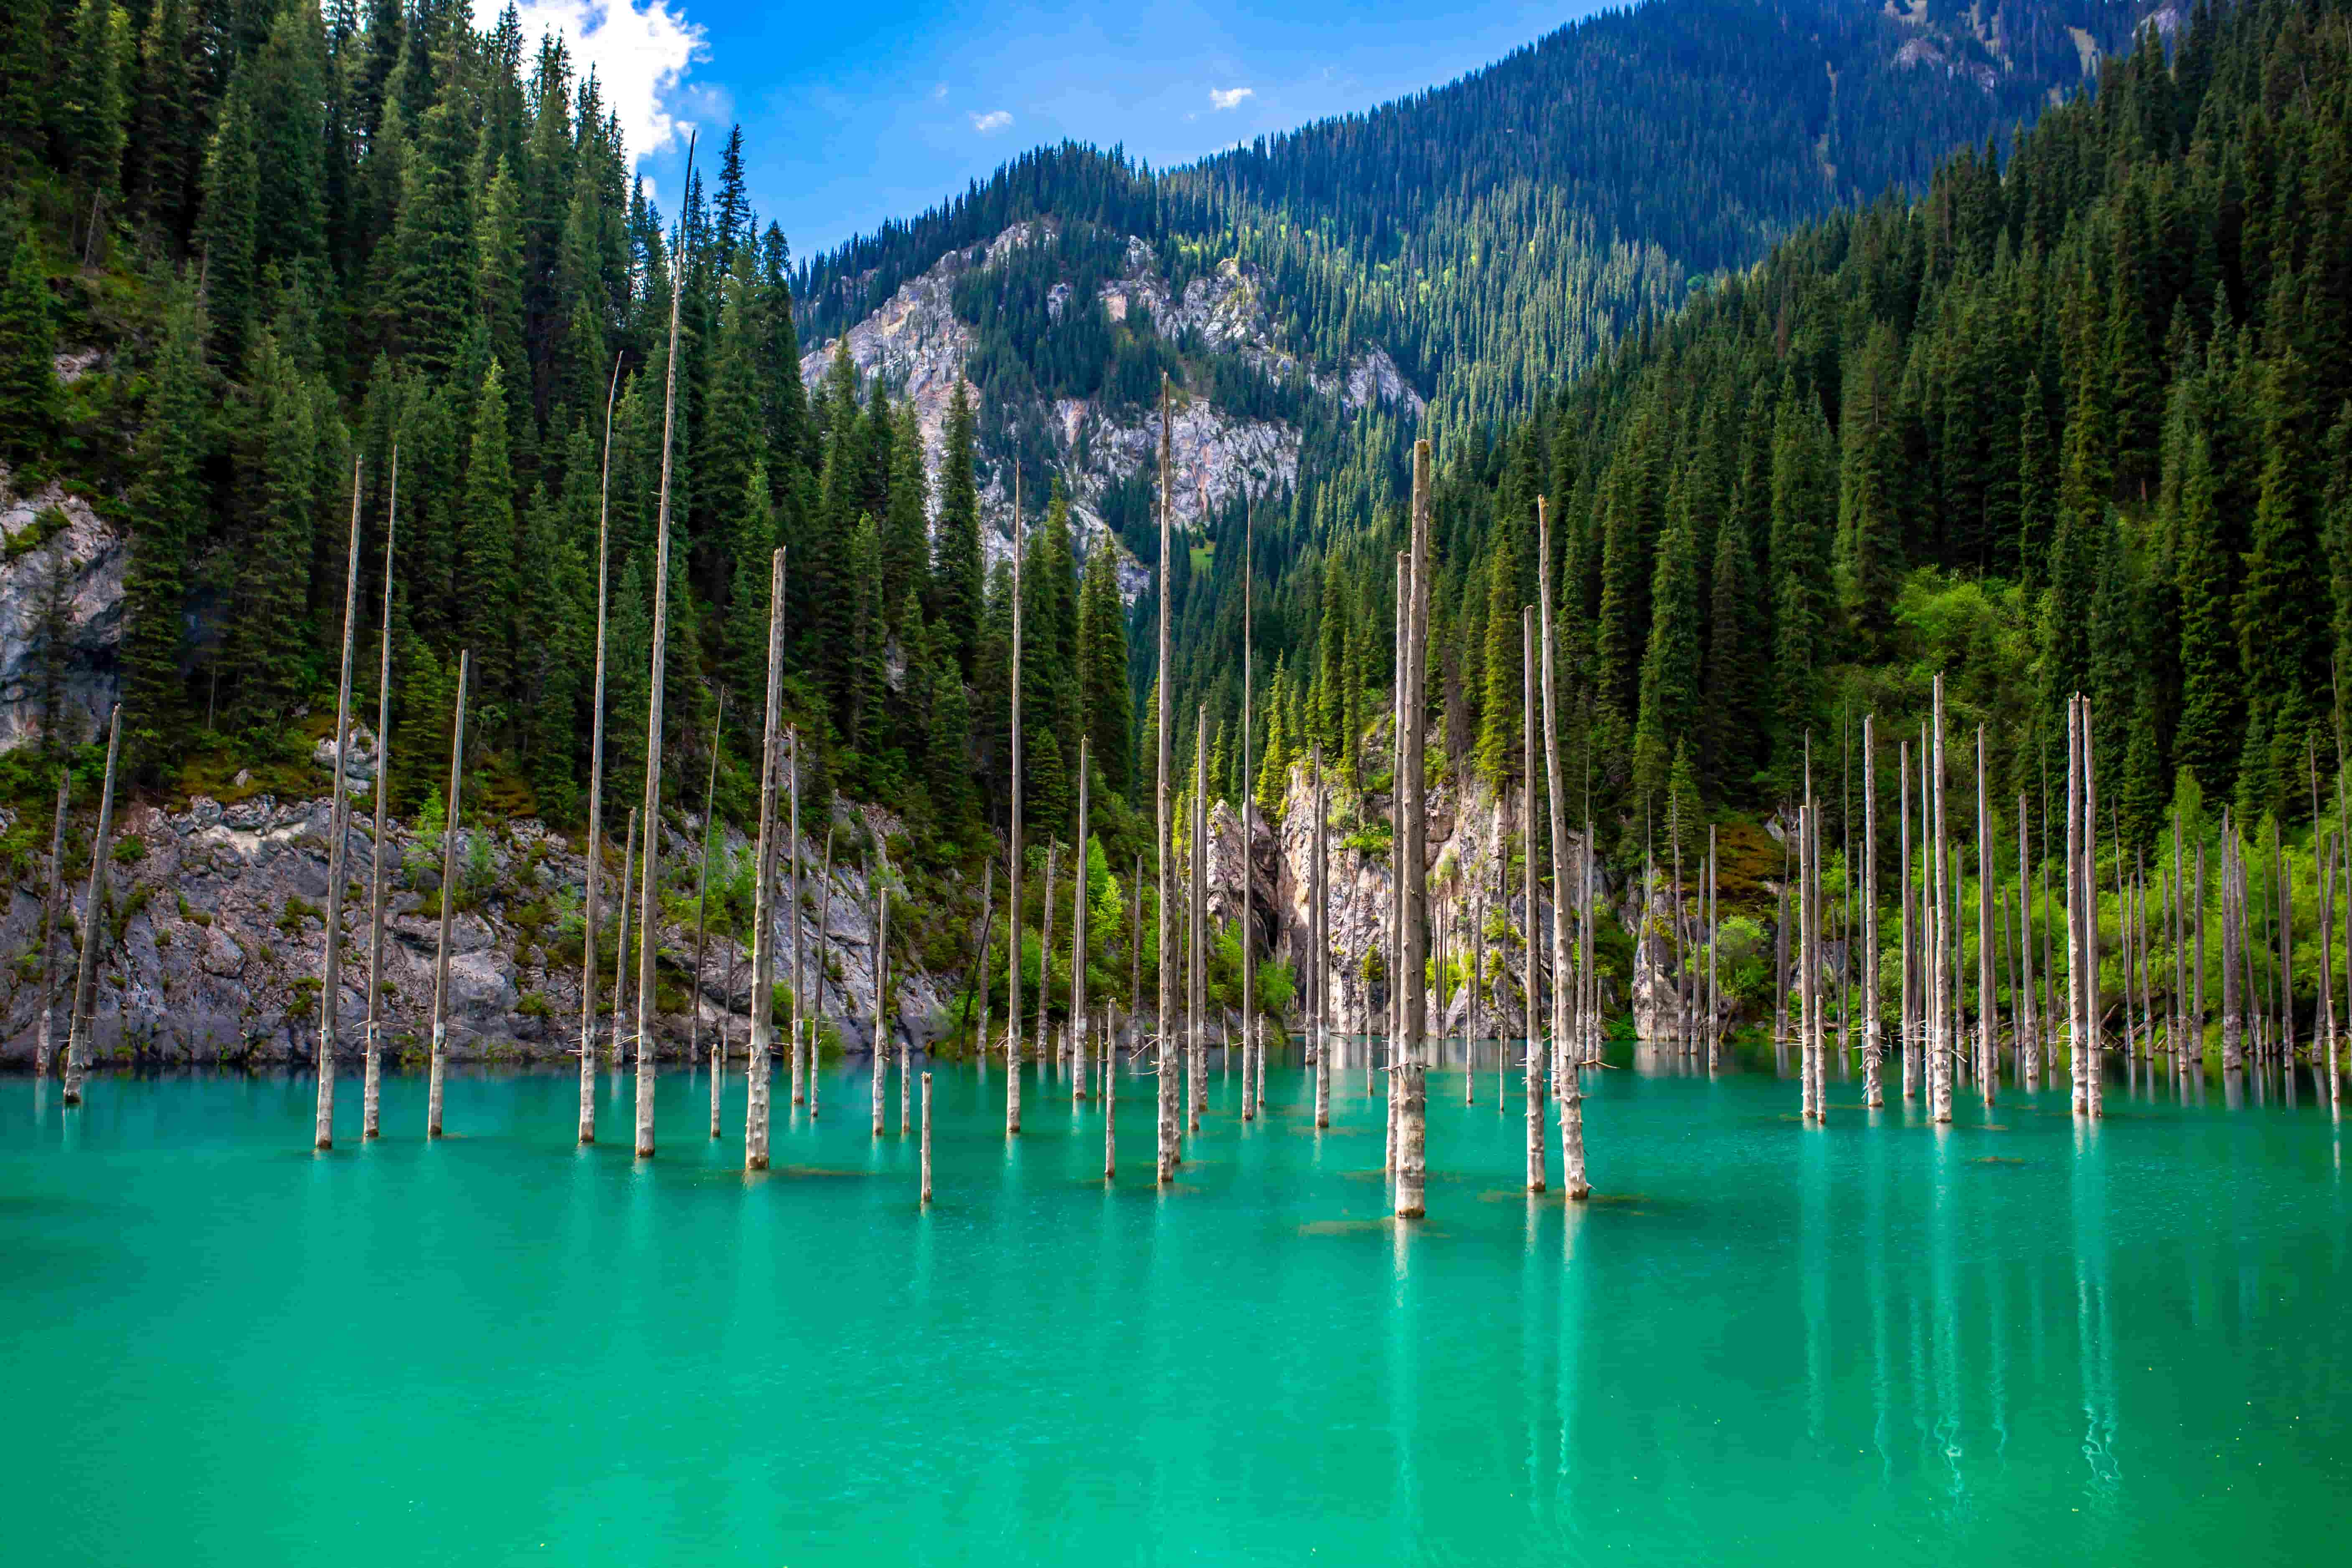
(763, 876)
(1411, 1088)
(2029, 1051)
(1320, 954)
(79, 1019)
(1078, 888)
(1251, 1094)
(1873, 1089)
(2077, 1045)
(371, 1083)
(1567, 1081)
(330, 985)
(881, 1042)
(1165, 719)
(811, 1023)
(2091, 1073)
(927, 1140)
(1988, 1041)
(1046, 959)
(1942, 1031)
(1905, 937)
(1013, 867)
(450, 820)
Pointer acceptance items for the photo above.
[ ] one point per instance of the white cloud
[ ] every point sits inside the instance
(939, 93)
(1228, 97)
(640, 51)
(989, 124)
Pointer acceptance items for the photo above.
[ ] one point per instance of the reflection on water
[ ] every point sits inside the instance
(1997, 1340)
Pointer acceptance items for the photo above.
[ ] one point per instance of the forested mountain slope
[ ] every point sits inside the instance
(2080, 420)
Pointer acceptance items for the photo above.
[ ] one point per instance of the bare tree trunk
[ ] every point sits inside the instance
(448, 900)
(649, 887)
(49, 927)
(621, 951)
(1013, 867)
(2076, 1046)
(1395, 1033)
(927, 1140)
(1942, 1038)
(702, 919)
(1410, 1089)
(1110, 1092)
(371, 1083)
(1906, 935)
(764, 878)
(1164, 695)
(881, 1045)
(80, 1020)
(2029, 1049)
(1988, 1039)
(1251, 1096)
(1320, 954)
(330, 986)
(1873, 1089)
(1078, 890)
(595, 834)
(2092, 1076)
(1567, 1081)
(1046, 958)
(1197, 931)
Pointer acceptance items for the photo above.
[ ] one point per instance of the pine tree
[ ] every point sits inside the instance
(862, 717)
(431, 298)
(91, 113)
(2036, 497)
(1800, 555)
(2281, 636)
(1330, 722)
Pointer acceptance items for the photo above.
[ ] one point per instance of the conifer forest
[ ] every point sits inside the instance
(1793, 545)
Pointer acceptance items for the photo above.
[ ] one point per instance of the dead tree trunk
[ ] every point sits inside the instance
(1165, 719)
(812, 1019)
(81, 1019)
(800, 1049)
(372, 1083)
(1079, 890)
(927, 1140)
(1567, 1081)
(881, 1046)
(1411, 1088)
(1045, 960)
(763, 878)
(1320, 954)
(649, 887)
(330, 986)
(2029, 1042)
(1988, 1039)
(2091, 1076)
(1941, 1032)
(1873, 1090)
(448, 901)
(1252, 1093)
(1013, 867)
(1905, 980)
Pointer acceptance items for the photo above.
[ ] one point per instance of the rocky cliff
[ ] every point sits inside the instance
(213, 941)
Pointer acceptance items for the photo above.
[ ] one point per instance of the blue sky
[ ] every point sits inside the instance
(858, 111)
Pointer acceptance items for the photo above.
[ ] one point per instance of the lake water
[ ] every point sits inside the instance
(2012, 1339)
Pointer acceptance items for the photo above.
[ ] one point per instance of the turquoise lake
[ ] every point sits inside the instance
(2011, 1339)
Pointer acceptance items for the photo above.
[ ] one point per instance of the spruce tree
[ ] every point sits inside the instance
(863, 719)
(267, 645)
(167, 505)
(489, 579)
(1105, 699)
(225, 234)
(28, 382)
(1670, 667)
(956, 585)
(2282, 632)
(1499, 743)
(91, 112)
(2212, 688)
